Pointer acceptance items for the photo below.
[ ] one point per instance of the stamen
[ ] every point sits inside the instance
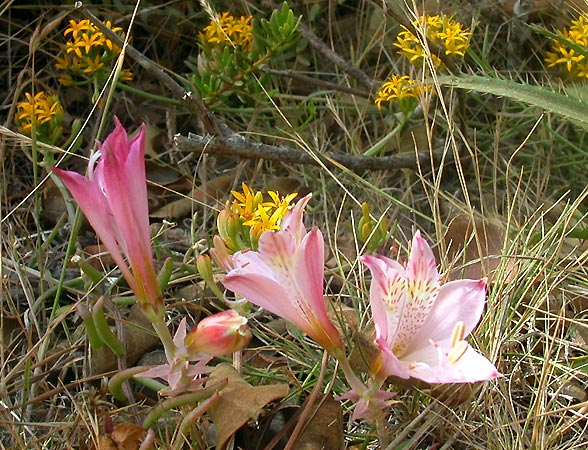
(457, 334)
(457, 351)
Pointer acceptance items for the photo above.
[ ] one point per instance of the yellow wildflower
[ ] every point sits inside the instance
(76, 27)
(441, 30)
(403, 89)
(269, 215)
(44, 112)
(228, 30)
(88, 53)
(254, 216)
(569, 59)
(246, 203)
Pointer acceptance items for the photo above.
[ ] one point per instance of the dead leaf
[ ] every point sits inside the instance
(475, 247)
(124, 436)
(98, 257)
(325, 429)
(214, 189)
(453, 395)
(52, 201)
(287, 185)
(542, 9)
(239, 402)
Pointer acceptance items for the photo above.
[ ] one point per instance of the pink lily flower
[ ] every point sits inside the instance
(420, 324)
(114, 199)
(285, 276)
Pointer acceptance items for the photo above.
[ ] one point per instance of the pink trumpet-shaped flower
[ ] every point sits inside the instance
(420, 324)
(285, 276)
(114, 199)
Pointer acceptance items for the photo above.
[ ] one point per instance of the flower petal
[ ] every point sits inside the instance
(286, 277)
(292, 222)
(309, 274)
(421, 266)
(387, 364)
(95, 206)
(460, 300)
(422, 287)
(471, 367)
(266, 292)
(387, 294)
(125, 187)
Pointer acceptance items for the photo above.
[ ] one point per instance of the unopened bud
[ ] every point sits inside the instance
(219, 334)
(220, 253)
(371, 232)
(204, 266)
(221, 223)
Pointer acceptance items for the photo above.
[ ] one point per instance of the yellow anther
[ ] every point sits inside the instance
(457, 351)
(457, 334)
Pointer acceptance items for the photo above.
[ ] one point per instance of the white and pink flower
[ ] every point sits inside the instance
(421, 324)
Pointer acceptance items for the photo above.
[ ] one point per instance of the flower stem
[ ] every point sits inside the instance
(165, 336)
(354, 382)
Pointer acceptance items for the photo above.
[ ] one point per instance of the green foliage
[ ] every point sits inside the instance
(541, 97)
(233, 52)
(275, 36)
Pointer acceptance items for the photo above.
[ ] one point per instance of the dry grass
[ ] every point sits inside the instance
(516, 171)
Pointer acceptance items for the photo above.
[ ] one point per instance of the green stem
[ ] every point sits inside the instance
(190, 418)
(103, 329)
(69, 251)
(116, 382)
(165, 336)
(377, 148)
(181, 400)
(354, 382)
(148, 95)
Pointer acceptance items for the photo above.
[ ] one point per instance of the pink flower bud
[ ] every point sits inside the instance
(219, 334)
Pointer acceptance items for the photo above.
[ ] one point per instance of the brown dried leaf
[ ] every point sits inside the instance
(475, 247)
(213, 190)
(239, 402)
(98, 257)
(287, 185)
(52, 200)
(325, 429)
(124, 436)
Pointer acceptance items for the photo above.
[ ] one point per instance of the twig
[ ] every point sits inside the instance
(211, 123)
(315, 81)
(336, 59)
(311, 407)
(237, 145)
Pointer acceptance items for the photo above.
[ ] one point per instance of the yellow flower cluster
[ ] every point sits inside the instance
(440, 30)
(564, 56)
(261, 216)
(400, 88)
(88, 53)
(229, 30)
(242, 221)
(44, 111)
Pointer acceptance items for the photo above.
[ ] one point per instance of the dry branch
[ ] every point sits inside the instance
(238, 146)
(221, 140)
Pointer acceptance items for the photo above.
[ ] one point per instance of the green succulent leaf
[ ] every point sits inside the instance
(558, 103)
